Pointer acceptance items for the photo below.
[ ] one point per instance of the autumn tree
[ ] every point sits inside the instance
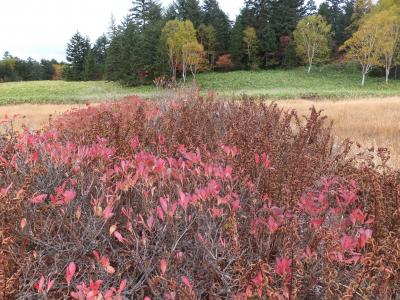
(363, 47)
(192, 58)
(360, 10)
(388, 39)
(250, 40)
(175, 35)
(312, 37)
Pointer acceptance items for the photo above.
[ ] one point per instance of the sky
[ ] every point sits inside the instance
(42, 28)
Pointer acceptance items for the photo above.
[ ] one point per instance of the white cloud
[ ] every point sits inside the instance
(42, 28)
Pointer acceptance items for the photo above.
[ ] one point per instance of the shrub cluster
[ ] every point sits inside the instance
(195, 198)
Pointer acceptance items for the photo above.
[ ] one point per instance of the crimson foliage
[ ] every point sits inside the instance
(195, 199)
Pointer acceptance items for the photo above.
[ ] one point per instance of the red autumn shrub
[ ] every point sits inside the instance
(224, 62)
(194, 199)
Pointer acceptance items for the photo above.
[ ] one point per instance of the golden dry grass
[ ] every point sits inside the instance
(369, 121)
(34, 116)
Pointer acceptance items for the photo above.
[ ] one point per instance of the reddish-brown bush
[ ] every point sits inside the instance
(224, 62)
(195, 199)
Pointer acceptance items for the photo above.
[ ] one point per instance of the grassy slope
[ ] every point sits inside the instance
(63, 92)
(328, 81)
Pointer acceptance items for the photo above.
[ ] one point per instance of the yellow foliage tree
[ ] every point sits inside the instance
(363, 46)
(192, 57)
(175, 35)
(388, 39)
(251, 41)
(311, 37)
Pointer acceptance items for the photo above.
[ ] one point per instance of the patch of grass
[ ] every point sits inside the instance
(332, 81)
(64, 92)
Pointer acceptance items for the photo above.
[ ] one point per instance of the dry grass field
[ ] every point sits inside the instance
(369, 121)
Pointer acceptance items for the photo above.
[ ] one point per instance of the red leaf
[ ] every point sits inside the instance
(164, 204)
(317, 222)
(122, 286)
(365, 235)
(150, 221)
(283, 266)
(258, 279)
(163, 266)
(70, 272)
(186, 281)
(23, 223)
(39, 285)
(272, 224)
(107, 213)
(69, 195)
(160, 213)
(50, 285)
(38, 199)
(119, 237)
(347, 242)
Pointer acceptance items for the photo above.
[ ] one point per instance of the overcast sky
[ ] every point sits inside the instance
(42, 28)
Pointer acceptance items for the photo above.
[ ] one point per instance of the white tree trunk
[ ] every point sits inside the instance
(387, 74)
(363, 79)
(184, 72)
(309, 68)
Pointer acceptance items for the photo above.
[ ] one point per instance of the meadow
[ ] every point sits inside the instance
(332, 81)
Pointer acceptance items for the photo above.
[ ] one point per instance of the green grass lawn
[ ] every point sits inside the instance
(64, 92)
(324, 82)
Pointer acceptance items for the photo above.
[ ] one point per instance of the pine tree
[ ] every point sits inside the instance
(268, 46)
(77, 50)
(100, 53)
(114, 62)
(285, 16)
(310, 8)
(236, 43)
(144, 12)
(334, 11)
(217, 18)
(188, 10)
(89, 72)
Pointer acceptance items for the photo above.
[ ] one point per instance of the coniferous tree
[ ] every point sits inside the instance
(77, 50)
(114, 63)
(310, 8)
(218, 19)
(236, 43)
(100, 53)
(90, 72)
(144, 12)
(338, 14)
(187, 10)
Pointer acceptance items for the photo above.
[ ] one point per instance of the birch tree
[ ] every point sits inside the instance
(363, 47)
(312, 36)
(175, 35)
(192, 57)
(388, 39)
(251, 41)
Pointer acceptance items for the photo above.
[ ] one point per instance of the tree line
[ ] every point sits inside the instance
(152, 43)
(17, 69)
